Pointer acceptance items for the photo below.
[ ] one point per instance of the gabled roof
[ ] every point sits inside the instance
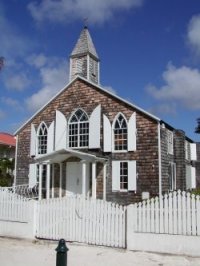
(84, 45)
(7, 139)
(63, 154)
(99, 88)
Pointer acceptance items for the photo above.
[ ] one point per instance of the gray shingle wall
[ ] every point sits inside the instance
(85, 96)
(179, 158)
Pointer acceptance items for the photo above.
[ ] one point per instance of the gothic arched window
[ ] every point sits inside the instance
(79, 130)
(120, 133)
(42, 139)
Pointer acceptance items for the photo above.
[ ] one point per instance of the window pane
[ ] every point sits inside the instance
(120, 134)
(79, 130)
(123, 175)
(42, 139)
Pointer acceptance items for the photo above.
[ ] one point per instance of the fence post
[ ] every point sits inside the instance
(61, 258)
(35, 215)
(131, 218)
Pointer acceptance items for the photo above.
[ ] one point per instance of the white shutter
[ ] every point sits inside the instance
(193, 151)
(190, 177)
(32, 175)
(33, 141)
(132, 175)
(50, 138)
(193, 177)
(107, 135)
(132, 133)
(115, 175)
(60, 131)
(94, 128)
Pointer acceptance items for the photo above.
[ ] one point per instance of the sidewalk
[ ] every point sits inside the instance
(15, 252)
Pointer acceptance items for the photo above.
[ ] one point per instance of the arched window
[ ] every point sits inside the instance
(120, 133)
(42, 139)
(79, 130)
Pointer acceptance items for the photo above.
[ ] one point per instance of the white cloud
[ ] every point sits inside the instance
(182, 85)
(17, 82)
(12, 103)
(53, 79)
(193, 34)
(110, 89)
(165, 108)
(65, 11)
(37, 60)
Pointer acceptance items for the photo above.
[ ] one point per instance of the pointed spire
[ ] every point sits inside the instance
(84, 45)
(84, 60)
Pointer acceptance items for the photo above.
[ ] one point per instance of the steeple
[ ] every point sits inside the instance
(84, 60)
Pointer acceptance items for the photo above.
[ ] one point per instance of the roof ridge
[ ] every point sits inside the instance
(93, 84)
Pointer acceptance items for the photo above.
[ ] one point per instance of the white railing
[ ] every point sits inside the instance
(13, 207)
(77, 219)
(23, 190)
(176, 213)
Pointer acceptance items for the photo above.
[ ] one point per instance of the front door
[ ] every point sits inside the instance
(74, 177)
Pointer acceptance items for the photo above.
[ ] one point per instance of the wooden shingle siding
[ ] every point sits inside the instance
(179, 157)
(83, 95)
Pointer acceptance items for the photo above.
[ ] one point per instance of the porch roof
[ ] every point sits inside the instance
(63, 154)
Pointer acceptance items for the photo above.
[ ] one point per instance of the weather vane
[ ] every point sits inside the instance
(85, 20)
(2, 62)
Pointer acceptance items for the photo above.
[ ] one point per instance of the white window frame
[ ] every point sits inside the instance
(170, 142)
(116, 176)
(39, 136)
(123, 175)
(78, 123)
(113, 134)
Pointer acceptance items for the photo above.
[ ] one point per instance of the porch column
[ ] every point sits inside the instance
(53, 183)
(104, 180)
(94, 180)
(48, 181)
(83, 178)
(40, 182)
(60, 187)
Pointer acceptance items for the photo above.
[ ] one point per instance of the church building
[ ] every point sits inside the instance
(89, 141)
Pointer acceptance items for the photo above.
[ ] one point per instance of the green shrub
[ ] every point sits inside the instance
(5, 182)
(195, 191)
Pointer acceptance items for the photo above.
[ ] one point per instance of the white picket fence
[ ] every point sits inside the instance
(103, 223)
(77, 219)
(176, 213)
(13, 207)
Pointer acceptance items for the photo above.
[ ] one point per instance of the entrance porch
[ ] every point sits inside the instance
(69, 172)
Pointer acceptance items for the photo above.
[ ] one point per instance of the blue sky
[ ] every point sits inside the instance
(149, 51)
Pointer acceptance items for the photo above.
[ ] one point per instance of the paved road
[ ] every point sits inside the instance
(15, 252)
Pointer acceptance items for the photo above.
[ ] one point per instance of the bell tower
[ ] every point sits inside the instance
(84, 60)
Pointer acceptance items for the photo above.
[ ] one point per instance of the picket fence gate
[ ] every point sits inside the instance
(176, 213)
(89, 221)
